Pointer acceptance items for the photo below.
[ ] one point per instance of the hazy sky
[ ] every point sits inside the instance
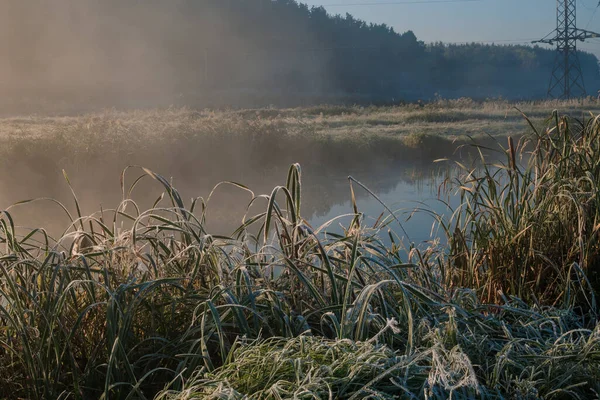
(500, 21)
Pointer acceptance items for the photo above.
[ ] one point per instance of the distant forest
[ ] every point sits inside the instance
(246, 53)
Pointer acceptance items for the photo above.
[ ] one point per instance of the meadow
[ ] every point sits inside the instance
(143, 301)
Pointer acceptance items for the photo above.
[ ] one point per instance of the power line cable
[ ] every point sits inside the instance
(592, 17)
(515, 41)
(584, 4)
(387, 3)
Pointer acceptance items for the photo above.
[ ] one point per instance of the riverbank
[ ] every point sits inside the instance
(281, 309)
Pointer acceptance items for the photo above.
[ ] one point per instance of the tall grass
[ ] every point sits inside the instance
(528, 227)
(132, 303)
(132, 312)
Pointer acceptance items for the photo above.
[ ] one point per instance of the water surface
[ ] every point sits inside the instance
(326, 195)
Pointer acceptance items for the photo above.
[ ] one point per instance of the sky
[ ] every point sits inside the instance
(498, 21)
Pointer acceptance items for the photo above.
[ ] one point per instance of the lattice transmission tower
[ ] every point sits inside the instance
(567, 78)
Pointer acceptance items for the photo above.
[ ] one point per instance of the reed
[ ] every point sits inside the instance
(528, 226)
(132, 303)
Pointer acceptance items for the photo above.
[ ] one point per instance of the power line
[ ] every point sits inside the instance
(526, 40)
(595, 9)
(567, 77)
(388, 3)
(584, 4)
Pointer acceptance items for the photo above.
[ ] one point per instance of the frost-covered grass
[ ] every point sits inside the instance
(145, 303)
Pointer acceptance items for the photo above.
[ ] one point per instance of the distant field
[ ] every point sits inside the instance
(448, 118)
(345, 136)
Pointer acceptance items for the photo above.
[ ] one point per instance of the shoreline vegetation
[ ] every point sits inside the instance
(281, 309)
(344, 138)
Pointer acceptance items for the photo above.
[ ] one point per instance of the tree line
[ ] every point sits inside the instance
(245, 53)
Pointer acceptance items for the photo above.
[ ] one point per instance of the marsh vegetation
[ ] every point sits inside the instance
(153, 304)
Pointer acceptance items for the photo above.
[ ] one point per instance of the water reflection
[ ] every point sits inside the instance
(326, 193)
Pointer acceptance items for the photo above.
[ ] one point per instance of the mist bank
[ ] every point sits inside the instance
(79, 56)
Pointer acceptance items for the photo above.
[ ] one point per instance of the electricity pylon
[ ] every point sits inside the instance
(567, 79)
